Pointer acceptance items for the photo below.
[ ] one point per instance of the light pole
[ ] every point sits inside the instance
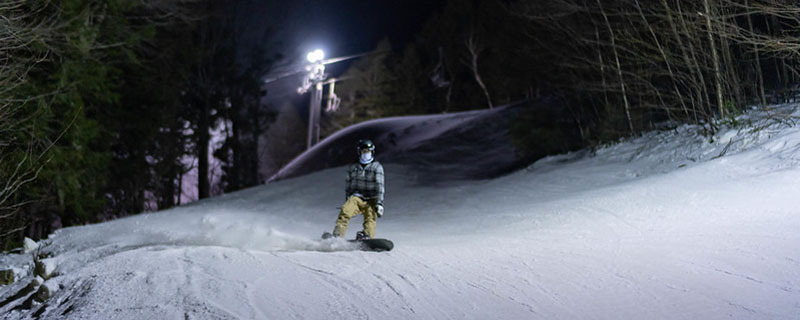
(313, 80)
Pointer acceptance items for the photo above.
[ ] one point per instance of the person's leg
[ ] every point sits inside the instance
(370, 217)
(349, 210)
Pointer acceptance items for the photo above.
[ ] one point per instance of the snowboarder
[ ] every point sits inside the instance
(364, 193)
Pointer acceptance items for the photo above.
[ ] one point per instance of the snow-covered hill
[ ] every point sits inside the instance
(664, 226)
(463, 145)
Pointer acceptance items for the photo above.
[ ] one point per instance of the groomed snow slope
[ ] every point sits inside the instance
(657, 227)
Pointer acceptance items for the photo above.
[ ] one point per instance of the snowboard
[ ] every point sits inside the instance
(376, 244)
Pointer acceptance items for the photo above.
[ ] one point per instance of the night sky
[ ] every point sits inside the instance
(347, 27)
(340, 28)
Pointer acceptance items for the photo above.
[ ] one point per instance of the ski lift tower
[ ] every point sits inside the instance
(315, 81)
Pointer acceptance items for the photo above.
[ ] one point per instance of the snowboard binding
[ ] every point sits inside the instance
(361, 235)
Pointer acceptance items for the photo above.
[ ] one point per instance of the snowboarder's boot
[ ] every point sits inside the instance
(361, 235)
(327, 235)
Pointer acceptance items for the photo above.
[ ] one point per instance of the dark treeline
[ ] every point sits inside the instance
(105, 105)
(639, 62)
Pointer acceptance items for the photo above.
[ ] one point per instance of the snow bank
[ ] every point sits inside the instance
(463, 145)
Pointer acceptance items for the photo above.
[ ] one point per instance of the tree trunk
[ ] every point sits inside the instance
(714, 59)
(695, 67)
(259, 129)
(179, 197)
(731, 78)
(697, 99)
(619, 68)
(474, 51)
(664, 56)
(202, 151)
(759, 74)
(168, 191)
(235, 173)
(602, 69)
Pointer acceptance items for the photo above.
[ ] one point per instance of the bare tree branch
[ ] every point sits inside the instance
(475, 48)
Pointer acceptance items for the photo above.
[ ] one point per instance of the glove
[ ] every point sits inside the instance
(380, 210)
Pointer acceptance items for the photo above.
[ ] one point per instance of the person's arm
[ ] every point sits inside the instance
(379, 181)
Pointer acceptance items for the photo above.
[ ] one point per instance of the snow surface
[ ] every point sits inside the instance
(29, 245)
(664, 226)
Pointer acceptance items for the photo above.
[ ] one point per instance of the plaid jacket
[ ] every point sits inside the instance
(366, 180)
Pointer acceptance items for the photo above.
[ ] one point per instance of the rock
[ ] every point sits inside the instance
(46, 267)
(37, 281)
(47, 289)
(30, 245)
(6, 276)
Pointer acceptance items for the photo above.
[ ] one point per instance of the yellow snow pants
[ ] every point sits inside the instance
(352, 208)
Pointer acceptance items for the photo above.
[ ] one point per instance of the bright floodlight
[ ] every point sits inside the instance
(315, 56)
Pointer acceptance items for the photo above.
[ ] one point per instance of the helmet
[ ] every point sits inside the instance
(366, 144)
(366, 151)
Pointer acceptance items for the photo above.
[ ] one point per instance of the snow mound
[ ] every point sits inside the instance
(464, 145)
